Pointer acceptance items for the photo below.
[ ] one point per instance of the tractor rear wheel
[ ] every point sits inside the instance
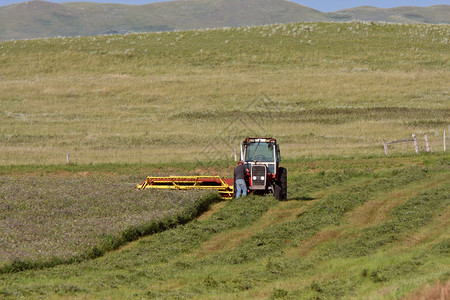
(280, 187)
(283, 182)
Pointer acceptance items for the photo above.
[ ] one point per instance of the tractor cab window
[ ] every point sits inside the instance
(262, 152)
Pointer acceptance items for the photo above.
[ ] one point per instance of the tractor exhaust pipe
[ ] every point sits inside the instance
(242, 152)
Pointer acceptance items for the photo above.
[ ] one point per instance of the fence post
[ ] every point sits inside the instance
(427, 143)
(235, 154)
(416, 145)
(445, 142)
(67, 158)
(385, 148)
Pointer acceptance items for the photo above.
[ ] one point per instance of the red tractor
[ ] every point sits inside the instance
(261, 157)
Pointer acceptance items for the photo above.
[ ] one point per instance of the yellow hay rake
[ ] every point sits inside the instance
(223, 185)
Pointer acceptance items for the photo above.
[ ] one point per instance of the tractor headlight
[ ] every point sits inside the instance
(254, 177)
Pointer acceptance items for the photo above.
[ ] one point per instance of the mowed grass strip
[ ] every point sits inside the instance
(379, 210)
(372, 213)
(329, 211)
(389, 270)
(167, 264)
(418, 211)
(283, 212)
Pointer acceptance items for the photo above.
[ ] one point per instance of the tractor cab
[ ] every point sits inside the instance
(261, 151)
(261, 156)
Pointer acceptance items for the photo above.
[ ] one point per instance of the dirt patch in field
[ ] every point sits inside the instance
(438, 291)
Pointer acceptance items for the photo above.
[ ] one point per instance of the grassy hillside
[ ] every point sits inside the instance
(321, 89)
(41, 19)
(405, 14)
(352, 228)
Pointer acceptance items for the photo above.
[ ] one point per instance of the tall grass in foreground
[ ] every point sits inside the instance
(334, 89)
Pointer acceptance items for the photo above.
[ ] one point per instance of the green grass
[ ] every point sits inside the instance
(321, 89)
(357, 225)
(325, 242)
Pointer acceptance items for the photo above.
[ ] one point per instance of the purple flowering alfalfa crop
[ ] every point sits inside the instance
(63, 216)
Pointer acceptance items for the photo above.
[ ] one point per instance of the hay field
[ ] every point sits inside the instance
(55, 219)
(352, 228)
(321, 89)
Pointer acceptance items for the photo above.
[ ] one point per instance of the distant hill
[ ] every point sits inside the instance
(439, 14)
(39, 19)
